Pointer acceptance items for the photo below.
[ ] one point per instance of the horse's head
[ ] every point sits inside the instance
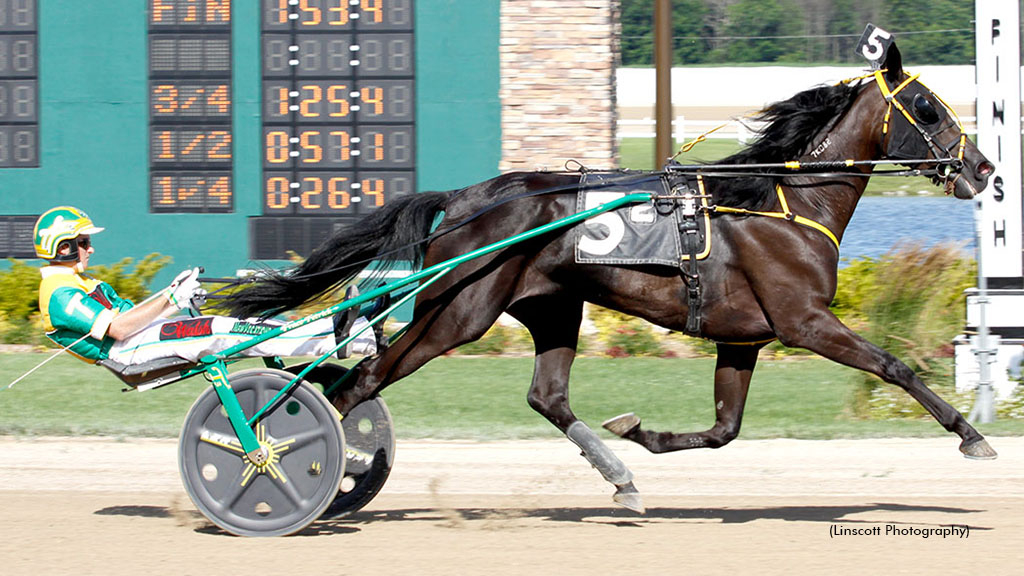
(922, 130)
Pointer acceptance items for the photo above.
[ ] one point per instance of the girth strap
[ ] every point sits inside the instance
(786, 214)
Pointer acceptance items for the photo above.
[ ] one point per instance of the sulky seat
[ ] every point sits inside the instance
(136, 374)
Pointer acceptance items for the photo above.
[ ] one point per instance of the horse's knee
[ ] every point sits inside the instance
(896, 372)
(723, 433)
(545, 404)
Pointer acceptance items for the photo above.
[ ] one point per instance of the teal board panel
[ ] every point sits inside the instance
(458, 81)
(94, 131)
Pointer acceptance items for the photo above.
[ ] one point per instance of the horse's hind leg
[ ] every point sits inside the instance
(554, 324)
(440, 323)
(732, 381)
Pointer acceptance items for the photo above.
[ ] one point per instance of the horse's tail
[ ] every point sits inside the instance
(396, 232)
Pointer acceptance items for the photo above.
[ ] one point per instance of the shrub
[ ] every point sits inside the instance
(500, 339)
(911, 303)
(622, 335)
(19, 294)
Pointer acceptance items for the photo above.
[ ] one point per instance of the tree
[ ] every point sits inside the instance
(691, 31)
(737, 31)
(939, 16)
(755, 27)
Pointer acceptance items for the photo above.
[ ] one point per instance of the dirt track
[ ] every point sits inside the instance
(87, 506)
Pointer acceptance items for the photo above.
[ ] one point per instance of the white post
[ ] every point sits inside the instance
(680, 129)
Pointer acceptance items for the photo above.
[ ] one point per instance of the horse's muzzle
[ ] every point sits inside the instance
(972, 178)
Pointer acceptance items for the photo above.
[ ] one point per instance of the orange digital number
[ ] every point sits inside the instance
(282, 11)
(220, 190)
(338, 94)
(220, 99)
(307, 143)
(373, 7)
(313, 11)
(315, 98)
(166, 196)
(375, 96)
(166, 145)
(374, 188)
(222, 149)
(165, 99)
(282, 101)
(341, 12)
(344, 146)
(278, 192)
(317, 190)
(338, 197)
(377, 147)
(277, 147)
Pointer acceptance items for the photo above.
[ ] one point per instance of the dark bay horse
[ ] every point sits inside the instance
(766, 278)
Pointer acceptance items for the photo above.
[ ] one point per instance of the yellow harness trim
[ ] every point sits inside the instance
(786, 214)
(707, 221)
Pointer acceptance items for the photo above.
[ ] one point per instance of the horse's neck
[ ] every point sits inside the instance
(832, 201)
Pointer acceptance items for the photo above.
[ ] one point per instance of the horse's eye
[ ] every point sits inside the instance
(924, 111)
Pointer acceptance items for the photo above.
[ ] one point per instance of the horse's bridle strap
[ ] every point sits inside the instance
(890, 98)
(786, 214)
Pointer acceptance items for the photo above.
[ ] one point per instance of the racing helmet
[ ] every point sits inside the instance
(58, 226)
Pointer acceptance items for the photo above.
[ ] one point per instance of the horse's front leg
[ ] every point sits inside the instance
(824, 334)
(554, 325)
(732, 381)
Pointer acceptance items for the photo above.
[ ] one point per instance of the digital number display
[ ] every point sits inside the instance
(19, 84)
(327, 101)
(191, 152)
(338, 112)
(16, 234)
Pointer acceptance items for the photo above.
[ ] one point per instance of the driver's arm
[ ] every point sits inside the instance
(127, 323)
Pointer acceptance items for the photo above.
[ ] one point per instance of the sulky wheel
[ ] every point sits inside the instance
(369, 448)
(300, 479)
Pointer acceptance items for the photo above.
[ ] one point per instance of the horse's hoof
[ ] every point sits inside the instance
(622, 424)
(628, 497)
(979, 450)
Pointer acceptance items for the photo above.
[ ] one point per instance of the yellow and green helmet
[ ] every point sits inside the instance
(56, 225)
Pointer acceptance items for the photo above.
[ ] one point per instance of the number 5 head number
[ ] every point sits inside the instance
(874, 44)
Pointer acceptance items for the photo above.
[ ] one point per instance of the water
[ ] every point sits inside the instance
(881, 223)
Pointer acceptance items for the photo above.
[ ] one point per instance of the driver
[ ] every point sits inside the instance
(86, 313)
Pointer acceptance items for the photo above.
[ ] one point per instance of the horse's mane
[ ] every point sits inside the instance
(792, 127)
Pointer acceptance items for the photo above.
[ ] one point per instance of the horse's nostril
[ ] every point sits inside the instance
(985, 169)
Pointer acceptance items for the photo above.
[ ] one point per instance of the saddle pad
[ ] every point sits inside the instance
(632, 234)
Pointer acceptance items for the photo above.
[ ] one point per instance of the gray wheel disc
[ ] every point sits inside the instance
(369, 445)
(369, 454)
(301, 476)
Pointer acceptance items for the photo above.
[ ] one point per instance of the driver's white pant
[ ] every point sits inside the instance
(193, 338)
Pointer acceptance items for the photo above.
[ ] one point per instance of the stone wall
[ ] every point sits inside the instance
(558, 60)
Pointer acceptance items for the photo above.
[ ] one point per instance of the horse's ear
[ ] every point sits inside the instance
(893, 65)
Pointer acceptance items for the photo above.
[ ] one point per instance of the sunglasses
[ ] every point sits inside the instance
(84, 242)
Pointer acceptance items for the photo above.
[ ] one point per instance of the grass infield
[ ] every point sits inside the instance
(480, 398)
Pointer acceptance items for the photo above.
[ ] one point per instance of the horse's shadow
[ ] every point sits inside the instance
(465, 517)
